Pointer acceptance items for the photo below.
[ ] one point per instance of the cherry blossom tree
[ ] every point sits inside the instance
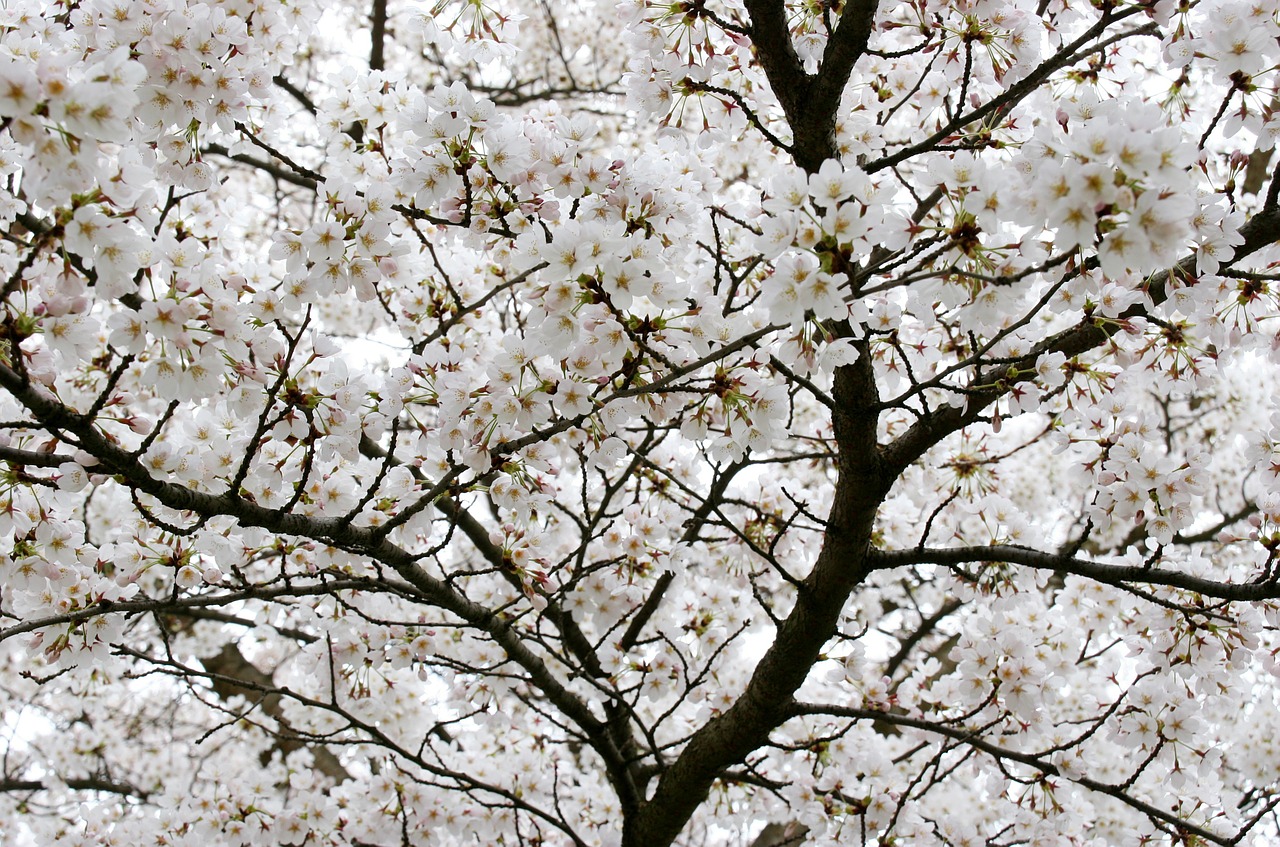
(710, 422)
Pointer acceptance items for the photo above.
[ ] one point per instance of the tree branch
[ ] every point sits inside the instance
(771, 38)
(274, 170)
(1024, 87)
(1118, 575)
(623, 777)
(231, 675)
(89, 783)
(378, 34)
(972, 738)
(840, 567)
(339, 532)
(810, 102)
(1262, 230)
(846, 46)
(33, 457)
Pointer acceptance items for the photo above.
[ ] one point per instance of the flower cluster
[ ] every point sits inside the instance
(509, 421)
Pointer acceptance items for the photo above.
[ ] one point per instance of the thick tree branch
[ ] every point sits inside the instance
(1118, 575)
(840, 567)
(337, 531)
(810, 101)
(234, 675)
(34, 458)
(296, 93)
(781, 835)
(275, 171)
(1262, 230)
(846, 46)
(921, 632)
(777, 55)
(90, 783)
(624, 777)
(378, 34)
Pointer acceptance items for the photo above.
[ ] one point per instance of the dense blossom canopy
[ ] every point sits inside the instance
(713, 422)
